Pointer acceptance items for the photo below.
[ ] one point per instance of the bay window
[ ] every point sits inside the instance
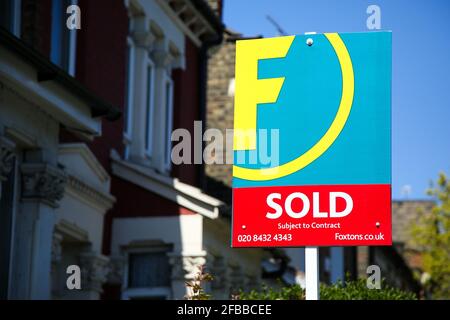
(154, 51)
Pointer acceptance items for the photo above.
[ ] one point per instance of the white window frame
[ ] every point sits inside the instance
(133, 293)
(149, 108)
(72, 42)
(130, 96)
(144, 292)
(17, 18)
(168, 114)
(72, 47)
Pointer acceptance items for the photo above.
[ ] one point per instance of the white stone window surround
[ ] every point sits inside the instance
(160, 43)
(183, 233)
(129, 293)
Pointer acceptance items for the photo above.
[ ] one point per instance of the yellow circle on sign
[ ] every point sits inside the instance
(348, 88)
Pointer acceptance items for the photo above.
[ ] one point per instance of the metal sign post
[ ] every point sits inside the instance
(312, 273)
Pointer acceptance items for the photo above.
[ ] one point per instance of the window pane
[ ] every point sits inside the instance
(7, 14)
(60, 38)
(168, 123)
(149, 270)
(148, 120)
(126, 114)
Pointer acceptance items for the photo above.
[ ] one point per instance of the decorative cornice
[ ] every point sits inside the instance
(94, 271)
(71, 230)
(105, 200)
(42, 182)
(162, 58)
(194, 23)
(83, 150)
(144, 39)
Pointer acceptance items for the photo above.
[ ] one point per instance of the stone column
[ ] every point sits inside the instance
(116, 270)
(42, 188)
(184, 268)
(94, 271)
(6, 213)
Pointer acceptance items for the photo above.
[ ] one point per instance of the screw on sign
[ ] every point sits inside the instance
(329, 97)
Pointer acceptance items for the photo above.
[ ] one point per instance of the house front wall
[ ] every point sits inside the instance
(45, 197)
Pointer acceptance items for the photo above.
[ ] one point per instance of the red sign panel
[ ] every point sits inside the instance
(344, 215)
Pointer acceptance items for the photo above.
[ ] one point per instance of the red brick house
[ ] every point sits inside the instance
(154, 225)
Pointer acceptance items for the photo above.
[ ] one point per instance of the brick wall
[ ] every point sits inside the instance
(220, 103)
(36, 24)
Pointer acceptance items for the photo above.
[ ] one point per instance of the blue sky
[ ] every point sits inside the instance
(421, 70)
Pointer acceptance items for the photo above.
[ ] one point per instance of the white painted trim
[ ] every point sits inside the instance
(168, 108)
(147, 293)
(20, 137)
(17, 13)
(130, 88)
(89, 195)
(71, 230)
(83, 150)
(19, 77)
(129, 293)
(180, 24)
(181, 193)
(150, 108)
(71, 69)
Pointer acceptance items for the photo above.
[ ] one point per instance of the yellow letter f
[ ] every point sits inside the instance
(249, 91)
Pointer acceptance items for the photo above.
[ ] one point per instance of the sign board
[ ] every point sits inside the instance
(312, 141)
